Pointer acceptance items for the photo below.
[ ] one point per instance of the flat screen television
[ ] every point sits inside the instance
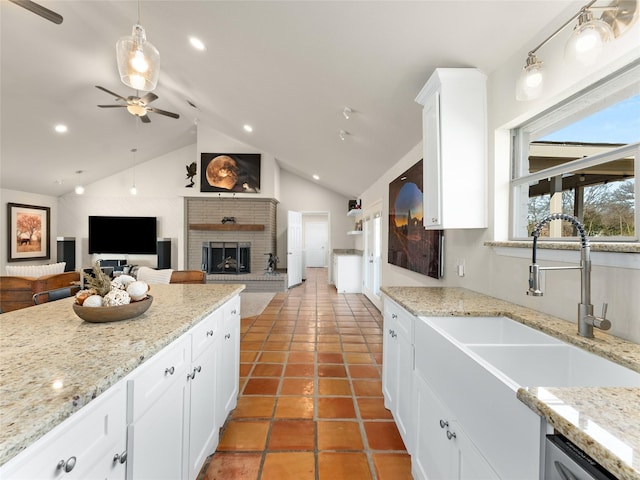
(126, 235)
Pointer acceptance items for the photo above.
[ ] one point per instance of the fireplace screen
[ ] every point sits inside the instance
(226, 257)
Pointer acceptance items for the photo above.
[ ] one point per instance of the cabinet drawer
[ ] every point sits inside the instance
(88, 440)
(403, 319)
(146, 384)
(203, 335)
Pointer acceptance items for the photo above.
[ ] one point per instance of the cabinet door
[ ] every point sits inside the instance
(203, 425)
(432, 166)
(471, 464)
(390, 361)
(403, 409)
(85, 444)
(434, 457)
(229, 366)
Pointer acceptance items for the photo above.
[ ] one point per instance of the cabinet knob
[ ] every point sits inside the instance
(210, 333)
(434, 220)
(170, 370)
(451, 435)
(444, 424)
(234, 311)
(227, 336)
(393, 315)
(67, 465)
(120, 457)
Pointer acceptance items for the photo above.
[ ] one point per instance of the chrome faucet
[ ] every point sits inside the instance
(586, 319)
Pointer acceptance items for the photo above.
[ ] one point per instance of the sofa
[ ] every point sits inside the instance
(17, 292)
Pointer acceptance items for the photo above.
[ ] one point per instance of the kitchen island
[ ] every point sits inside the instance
(603, 422)
(52, 363)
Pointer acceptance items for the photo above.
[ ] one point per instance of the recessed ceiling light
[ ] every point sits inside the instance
(61, 128)
(248, 128)
(316, 177)
(197, 43)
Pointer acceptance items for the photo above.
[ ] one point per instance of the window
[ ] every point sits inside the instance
(581, 158)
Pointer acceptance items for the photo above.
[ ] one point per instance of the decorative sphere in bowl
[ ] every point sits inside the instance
(113, 314)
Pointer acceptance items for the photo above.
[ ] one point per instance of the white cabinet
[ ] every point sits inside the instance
(397, 368)
(454, 123)
(228, 366)
(347, 273)
(158, 413)
(442, 449)
(89, 445)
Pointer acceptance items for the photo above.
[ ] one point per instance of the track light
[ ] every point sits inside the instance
(343, 135)
(347, 112)
(585, 44)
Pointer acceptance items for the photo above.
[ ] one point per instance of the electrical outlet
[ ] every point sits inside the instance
(460, 266)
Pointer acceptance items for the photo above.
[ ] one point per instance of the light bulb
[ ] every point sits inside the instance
(137, 82)
(138, 62)
(587, 40)
(79, 189)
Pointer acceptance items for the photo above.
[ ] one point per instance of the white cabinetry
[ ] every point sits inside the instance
(442, 449)
(455, 149)
(397, 368)
(228, 367)
(347, 273)
(89, 444)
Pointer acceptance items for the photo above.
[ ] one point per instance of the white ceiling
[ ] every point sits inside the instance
(287, 68)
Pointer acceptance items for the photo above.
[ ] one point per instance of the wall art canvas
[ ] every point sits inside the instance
(29, 232)
(410, 245)
(230, 172)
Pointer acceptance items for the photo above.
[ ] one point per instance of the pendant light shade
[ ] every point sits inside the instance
(531, 79)
(587, 39)
(138, 60)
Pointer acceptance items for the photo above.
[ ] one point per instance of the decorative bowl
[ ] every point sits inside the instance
(113, 314)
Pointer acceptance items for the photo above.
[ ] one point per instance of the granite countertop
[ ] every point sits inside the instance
(347, 251)
(48, 343)
(604, 422)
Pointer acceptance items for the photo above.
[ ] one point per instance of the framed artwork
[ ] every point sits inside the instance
(230, 172)
(410, 245)
(29, 232)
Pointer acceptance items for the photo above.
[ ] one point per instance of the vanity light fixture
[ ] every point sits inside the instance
(138, 60)
(585, 43)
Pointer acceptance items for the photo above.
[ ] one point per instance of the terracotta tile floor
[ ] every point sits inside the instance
(310, 404)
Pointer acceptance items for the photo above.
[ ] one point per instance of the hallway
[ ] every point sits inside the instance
(310, 404)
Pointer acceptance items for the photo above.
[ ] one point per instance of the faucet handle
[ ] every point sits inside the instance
(605, 305)
(602, 323)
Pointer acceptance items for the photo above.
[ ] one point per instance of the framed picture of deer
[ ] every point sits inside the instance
(29, 232)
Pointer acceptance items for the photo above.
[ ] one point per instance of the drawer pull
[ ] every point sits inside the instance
(234, 311)
(227, 336)
(443, 424)
(120, 457)
(394, 316)
(210, 333)
(170, 370)
(451, 435)
(67, 465)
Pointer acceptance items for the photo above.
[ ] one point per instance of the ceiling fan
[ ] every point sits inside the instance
(137, 106)
(39, 10)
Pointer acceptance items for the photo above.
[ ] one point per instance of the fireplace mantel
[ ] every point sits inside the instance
(227, 227)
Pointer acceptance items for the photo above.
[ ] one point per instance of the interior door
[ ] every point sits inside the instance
(315, 244)
(372, 230)
(294, 248)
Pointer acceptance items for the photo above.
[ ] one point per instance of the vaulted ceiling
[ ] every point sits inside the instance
(287, 68)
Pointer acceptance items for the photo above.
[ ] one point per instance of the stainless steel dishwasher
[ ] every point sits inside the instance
(565, 461)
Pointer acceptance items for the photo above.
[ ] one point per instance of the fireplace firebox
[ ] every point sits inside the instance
(226, 257)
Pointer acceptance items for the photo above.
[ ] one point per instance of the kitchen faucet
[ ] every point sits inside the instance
(586, 319)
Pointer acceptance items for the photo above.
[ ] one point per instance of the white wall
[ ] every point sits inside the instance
(506, 277)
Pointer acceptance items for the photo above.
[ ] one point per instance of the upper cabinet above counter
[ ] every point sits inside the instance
(454, 127)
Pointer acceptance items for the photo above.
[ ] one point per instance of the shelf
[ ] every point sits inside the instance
(226, 227)
(354, 212)
(354, 232)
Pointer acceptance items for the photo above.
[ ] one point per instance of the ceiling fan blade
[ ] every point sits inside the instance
(145, 119)
(148, 98)
(39, 10)
(163, 112)
(112, 106)
(119, 97)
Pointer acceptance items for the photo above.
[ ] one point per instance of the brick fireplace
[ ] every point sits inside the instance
(255, 224)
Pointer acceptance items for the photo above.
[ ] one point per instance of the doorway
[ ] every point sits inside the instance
(315, 240)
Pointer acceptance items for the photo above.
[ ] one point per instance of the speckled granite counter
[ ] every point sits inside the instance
(347, 251)
(604, 422)
(49, 343)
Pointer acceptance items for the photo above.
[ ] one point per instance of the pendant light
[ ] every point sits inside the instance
(79, 189)
(133, 190)
(138, 60)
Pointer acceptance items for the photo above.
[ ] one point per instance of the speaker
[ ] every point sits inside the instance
(67, 252)
(164, 253)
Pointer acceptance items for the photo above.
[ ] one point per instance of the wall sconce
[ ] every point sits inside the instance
(585, 44)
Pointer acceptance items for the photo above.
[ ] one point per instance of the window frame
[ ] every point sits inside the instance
(616, 87)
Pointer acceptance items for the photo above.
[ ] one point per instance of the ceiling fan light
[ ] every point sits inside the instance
(587, 39)
(138, 61)
(137, 110)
